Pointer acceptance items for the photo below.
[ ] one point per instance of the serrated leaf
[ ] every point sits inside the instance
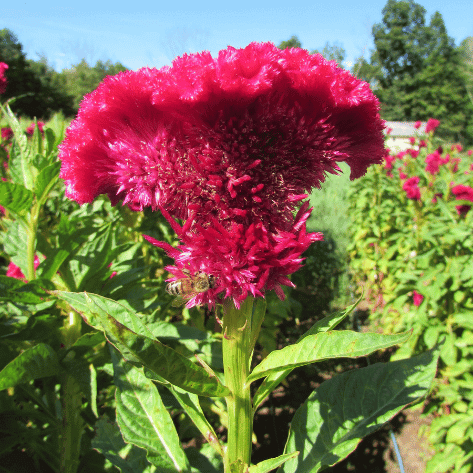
(109, 442)
(19, 164)
(36, 362)
(15, 243)
(143, 418)
(323, 346)
(323, 325)
(346, 408)
(269, 465)
(139, 346)
(15, 198)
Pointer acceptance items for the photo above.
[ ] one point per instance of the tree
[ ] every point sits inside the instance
(81, 78)
(416, 68)
(292, 42)
(332, 52)
(35, 84)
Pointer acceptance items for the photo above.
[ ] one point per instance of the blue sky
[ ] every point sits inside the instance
(141, 33)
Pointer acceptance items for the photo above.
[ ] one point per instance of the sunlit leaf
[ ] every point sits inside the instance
(143, 418)
(346, 408)
(323, 346)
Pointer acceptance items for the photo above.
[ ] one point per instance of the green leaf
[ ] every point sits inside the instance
(323, 346)
(45, 181)
(15, 198)
(19, 164)
(15, 243)
(143, 418)
(49, 267)
(323, 325)
(36, 362)
(109, 442)
(190, 404)
(346, 408)
(268, 465)
(138, 346)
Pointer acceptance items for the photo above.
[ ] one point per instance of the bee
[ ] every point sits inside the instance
(188, 287)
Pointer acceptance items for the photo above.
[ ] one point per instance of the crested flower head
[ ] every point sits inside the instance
(231, 145)
(411, 186)
(431, 125)
(3, 79)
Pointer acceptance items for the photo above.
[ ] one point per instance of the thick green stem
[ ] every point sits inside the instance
(31, 243)
(237, 352)
(72, 424)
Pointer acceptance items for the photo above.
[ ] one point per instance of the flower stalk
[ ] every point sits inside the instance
(72, 424)
(237, 352)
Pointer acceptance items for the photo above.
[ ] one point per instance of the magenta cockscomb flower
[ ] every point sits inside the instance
(462, 192)
(231, 145)
(432, 124)
(253, 130)
(411, 186)
(417, 124)
(3, 79)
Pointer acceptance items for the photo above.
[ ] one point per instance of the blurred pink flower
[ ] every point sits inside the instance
(3, 79)
(418, 298)
(417, 124)
(30, 129)
(411, 186)
(432, 124)
(7, 133)
(463, 192)
(412, 140)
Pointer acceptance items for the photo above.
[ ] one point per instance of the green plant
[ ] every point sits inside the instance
(412, 251)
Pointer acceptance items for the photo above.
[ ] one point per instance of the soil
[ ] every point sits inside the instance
(374, 454)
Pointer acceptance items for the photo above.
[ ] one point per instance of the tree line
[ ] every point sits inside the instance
(39, 90)
(415, 69)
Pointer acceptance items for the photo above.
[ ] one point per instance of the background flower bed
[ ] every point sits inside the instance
(412, 252)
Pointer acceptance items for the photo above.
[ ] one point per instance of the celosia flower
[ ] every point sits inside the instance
(470, 152)
(3, 79)
(413, 152)
(402, 175)
(411, 186)
(462, 192)
(243, 259)
(432, 124)
(417, 298)
(30, 129)
(230, 145)
(422, 144)
(7, 133)
(388, 131)
(417, 124)
(433, 161)
(412, 140)
(14, 271)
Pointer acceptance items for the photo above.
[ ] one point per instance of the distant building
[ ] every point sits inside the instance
(398, 138)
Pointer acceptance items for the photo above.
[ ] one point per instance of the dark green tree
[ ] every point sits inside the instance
(417, 69)
(292, 42)
(36, 86)
(81, 78)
